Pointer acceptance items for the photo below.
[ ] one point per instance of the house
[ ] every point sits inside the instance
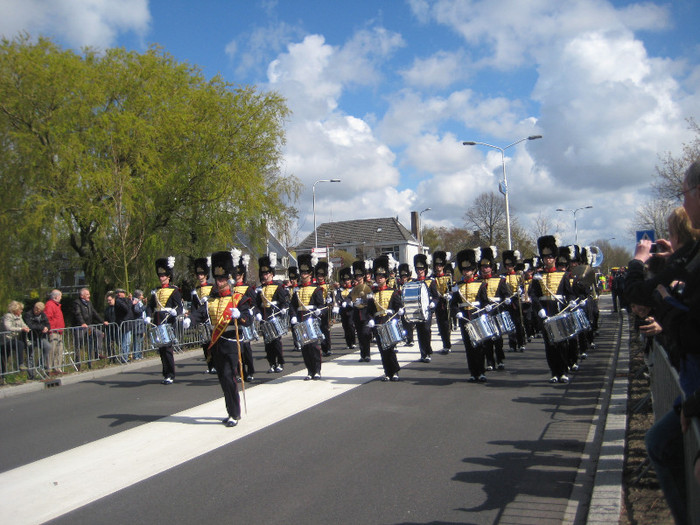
(367, 238)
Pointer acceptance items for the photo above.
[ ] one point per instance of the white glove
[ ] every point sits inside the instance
(258, 316)
(448, 297)
(235, 313)
(542, 313)
(370, 323)
(171, 311)
(389, 311)
(336, 310)
(432, 305)
(459, 315)
(455, 288)
(147, 319)
(489, 307)
(358, 301)
(186, 322)
(317, 313)
(507, 301)
(329, 300)
(572, 304)
(293, 321)
(402, 311)
(273, 303)
(310, 307)
(345, 304)
(370, 296)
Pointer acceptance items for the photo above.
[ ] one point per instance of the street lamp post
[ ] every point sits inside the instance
(575, 225)
(313, 199)
(420, 224)
(505, 180)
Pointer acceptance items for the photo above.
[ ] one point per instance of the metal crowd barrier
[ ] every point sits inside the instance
(665, 388)
(72, 348)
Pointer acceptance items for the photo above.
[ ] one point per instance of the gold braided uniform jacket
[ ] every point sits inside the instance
(439, 286)
(305, 296)
(271, 298)
(384, 299)
(199, 293)
(548, 291)
(161, 298)
(474, 292)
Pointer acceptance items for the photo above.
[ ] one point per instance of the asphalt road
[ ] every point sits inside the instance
(431, 448)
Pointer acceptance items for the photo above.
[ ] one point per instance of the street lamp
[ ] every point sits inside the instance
(313, 198)
(504, 189)
(574, 212)
(420, 224)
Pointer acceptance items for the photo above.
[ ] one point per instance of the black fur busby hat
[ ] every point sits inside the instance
(488, 255)
(466, 260)
(380, 266)
(221, 264)
(547, 245)
(345, 273)
(358, 268)
(165, 265)
(305, 264)
(202, 265)
(565, 255)
(404, 270)
(420, 261)
(265, 265)
(510, 257)
(322, 269)
(576, 253)
(439, 257)
(293, 272)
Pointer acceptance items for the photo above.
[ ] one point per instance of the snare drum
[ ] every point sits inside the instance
(582, 321)
(480, 329)
(415, 301)
(308, 331)
(205, 331)
(162, 335)
(274, 326)
(391, 333)
(505, 323)
(559, 327)
(248, 333)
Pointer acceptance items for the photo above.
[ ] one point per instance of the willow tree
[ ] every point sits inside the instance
(128, 156)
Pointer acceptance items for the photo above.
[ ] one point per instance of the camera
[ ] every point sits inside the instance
(654, 248)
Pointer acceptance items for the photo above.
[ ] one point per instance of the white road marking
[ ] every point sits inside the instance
(51, 487)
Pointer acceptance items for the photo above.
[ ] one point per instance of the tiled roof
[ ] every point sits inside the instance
(386, 230)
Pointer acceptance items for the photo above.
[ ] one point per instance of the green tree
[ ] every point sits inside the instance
(130, 156)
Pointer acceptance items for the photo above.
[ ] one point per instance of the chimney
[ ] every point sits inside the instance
(415, 224)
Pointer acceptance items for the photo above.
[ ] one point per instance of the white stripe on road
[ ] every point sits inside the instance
(53, 486)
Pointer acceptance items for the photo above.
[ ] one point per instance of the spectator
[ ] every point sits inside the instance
(124, 312)
(86, 316)
(139, 310)
(55, 316)
(681, 276)
(39, 328)
(15, 340)
(112, 337)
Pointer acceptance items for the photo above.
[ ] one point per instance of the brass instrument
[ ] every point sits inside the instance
(361, 291)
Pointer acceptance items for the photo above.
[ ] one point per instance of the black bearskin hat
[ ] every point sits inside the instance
(305, 264)
(381, 266)
(547, 245)
(404, 270)
(293, 272)
(345, 273)
(322, 269)
(439, 257)
(466, 260)
(221, 264)
(420, 261)
(164, 266)
(201, 265)
(358, 268)
(510, 257)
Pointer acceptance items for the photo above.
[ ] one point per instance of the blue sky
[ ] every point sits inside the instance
(383, 92)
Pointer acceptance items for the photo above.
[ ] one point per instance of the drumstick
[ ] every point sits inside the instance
(240, 366)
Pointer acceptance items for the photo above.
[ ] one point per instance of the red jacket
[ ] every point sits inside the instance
(55, 314)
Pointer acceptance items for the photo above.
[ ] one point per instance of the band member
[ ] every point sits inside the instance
(240, 274)
(306, 302)
(383, 306)
(344, 302)
(322, 271)
(526, 271)
(550, 291)
(272, 299)
(200, 294)
(514, 281)
(578, 345)
(469, 298)
(583, 269)
(359, 296)
(291, 285)
(440, 290)
(498, 296)
(164, 305)
(420, 263)
(404, 277)
(228, 311)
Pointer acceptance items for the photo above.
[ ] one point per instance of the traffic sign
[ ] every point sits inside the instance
(643, 235)
(319, 252)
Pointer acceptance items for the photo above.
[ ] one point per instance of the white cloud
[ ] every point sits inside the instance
(95, 23)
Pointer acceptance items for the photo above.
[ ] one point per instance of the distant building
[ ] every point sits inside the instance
(367, 238)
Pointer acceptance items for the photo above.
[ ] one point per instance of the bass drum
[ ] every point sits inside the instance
(416, 302)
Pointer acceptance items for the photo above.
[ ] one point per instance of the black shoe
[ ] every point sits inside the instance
(326, 354)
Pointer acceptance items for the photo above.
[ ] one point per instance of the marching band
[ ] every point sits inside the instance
(551, 295)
